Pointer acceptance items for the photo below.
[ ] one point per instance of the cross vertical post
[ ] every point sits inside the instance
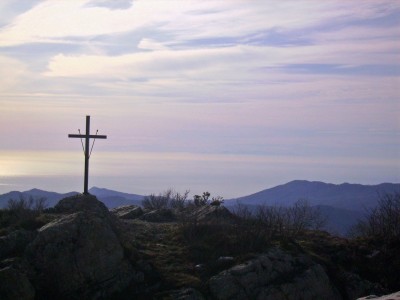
(87, 136)
(86, 183)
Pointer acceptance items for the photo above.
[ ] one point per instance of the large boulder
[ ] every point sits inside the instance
(81, 202)
(127, 211)
(185, 294)
(15, 285)
(14, 244)
(274, 275)
(159, 216)
(212, 213)
(79, 255)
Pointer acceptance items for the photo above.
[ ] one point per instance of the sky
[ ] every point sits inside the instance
(226, 96)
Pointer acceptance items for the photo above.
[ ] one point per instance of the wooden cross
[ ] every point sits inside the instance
(87, 137)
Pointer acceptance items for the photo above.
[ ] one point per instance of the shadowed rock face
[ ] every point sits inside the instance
(15, 242)
(79, 255)
(81, 203)
(274, 275)
(15, 285)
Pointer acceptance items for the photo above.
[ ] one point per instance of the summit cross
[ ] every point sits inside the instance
(86, 151)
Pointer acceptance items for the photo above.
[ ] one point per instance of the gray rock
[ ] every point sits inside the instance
(159, 215)
(81, 202)
(209, 213)
(15, 285)
(274, 275)
(356, 286)
(393, 296)
(127, 211)
(15, 243)
(224, 259)
(78, 257)
(186, 294)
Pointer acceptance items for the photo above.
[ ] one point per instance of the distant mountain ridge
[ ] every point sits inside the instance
(355, 197)
(52, 198)
(113, 198)
(342, 204)
(109, 197)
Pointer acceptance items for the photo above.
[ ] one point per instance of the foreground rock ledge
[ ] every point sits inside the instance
(79, 255)
(274, 275)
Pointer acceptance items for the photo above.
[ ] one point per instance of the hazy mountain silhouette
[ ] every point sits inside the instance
(114, 198)
(356, 197)
(109, 197)
(51, 197)
(342, 205)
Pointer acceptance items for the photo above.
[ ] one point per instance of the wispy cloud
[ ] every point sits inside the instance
(292, 79)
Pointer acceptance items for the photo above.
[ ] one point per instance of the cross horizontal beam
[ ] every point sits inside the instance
(84, 136)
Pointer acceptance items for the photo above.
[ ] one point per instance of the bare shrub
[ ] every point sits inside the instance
(217, 201)
(301, 216)
(23, 205)
(23, 212)
(383, 221)
(201, 200)
(157, 202)
(179, 201)
(279, 221)
(167, 199)
(18, 205)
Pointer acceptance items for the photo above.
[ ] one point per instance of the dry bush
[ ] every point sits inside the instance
(278, 221)
(167, 199)
(383, 221)
(23, 213)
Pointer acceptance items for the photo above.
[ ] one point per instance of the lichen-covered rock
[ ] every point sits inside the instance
(127, 211)
(78, 257)
(15, 285)
(274, 275)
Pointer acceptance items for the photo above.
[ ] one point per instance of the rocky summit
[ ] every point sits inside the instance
(81, 250)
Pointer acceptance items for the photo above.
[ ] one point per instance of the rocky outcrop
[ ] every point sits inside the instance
(80, 203)
(88, 252)
(355, 286)
(209, 213)
(160, 215)
(15, 285)
(186, 294)
(15, 243)
(274, 275)
(127, 211)
(394, 296)
(79, 255)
